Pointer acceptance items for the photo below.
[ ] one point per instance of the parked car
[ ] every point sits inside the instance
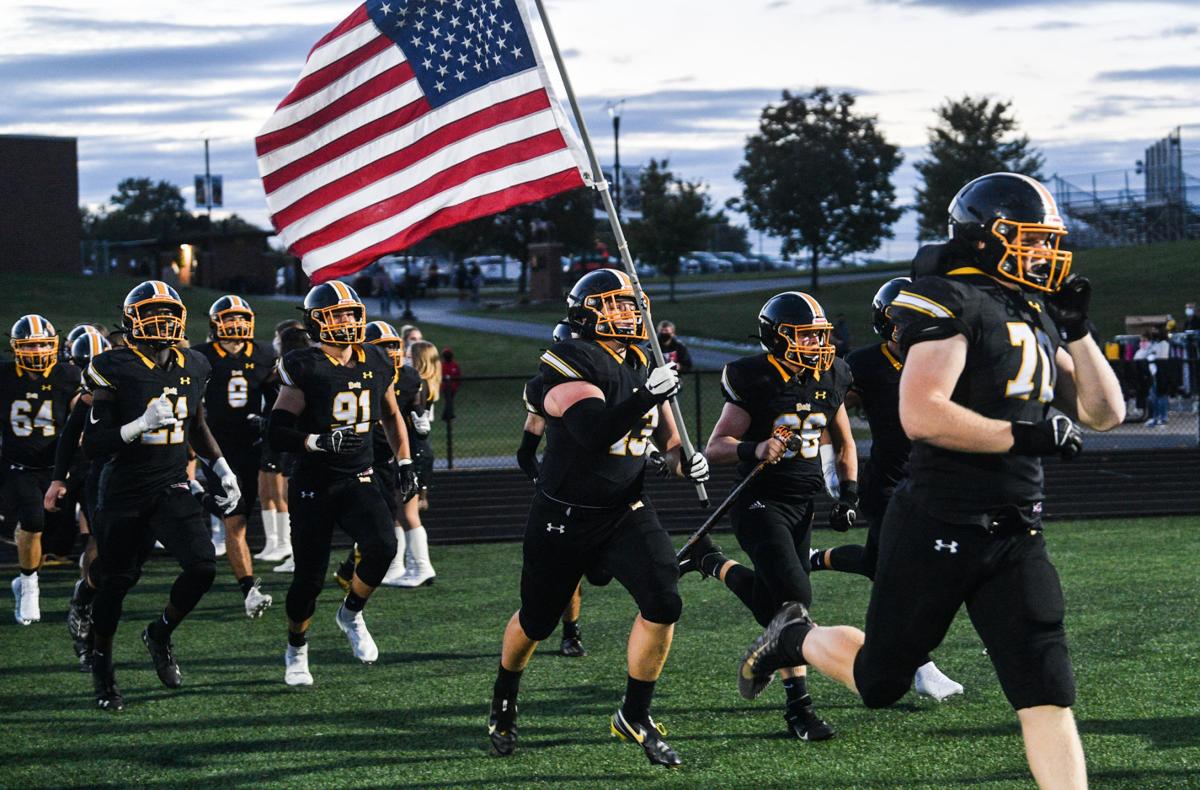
(496, 268)
(708, 263)
(740, 262)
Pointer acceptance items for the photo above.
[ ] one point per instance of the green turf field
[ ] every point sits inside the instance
(417, 718)
(1142, 280)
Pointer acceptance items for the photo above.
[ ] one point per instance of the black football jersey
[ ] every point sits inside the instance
(35, 407)
(408, 389)
(339, 396)
(773, 396)
(1010, 374)
(236, 389)
(876, 373)
(156, 459)
(569, 472)
(532, 395)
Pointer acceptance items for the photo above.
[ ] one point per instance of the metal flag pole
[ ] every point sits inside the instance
(623, 246)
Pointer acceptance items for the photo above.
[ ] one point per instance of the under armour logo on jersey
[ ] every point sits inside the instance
(47, 387)
(951, 547)
(185, 380)
(560, 529)
(820, 394)
(248, 366)
(368, 374)
(308, 494)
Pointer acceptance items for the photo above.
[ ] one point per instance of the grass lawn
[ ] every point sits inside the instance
(1146, 280)
(417, 718)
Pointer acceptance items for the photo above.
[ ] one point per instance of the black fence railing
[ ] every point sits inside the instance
(487, 413)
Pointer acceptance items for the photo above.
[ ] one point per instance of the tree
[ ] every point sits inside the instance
(968, 142)
(143, 209)
(819, 176)
(675, 219)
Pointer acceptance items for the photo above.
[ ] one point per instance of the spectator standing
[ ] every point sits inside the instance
(461, 280)
(381, 284)
(409, 334)
(673, 349)
(431, 278)
(451, 374)
(1153, 349)
(476, 276)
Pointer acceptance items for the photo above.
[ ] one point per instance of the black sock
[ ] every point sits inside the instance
(638, 694)
(740, 580)
(28, 571)
(247, 584)
(162, 628)
(102, 665)
(849, 559)
(817, 562)
(570, 629)
(507, 684)
(797, 692)
(297, 639)
(354, 602)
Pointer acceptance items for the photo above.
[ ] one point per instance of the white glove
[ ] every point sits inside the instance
(829, 468)
(233, 494)
(696, 467)
(663, 382)
(160, 413)
(421, 423)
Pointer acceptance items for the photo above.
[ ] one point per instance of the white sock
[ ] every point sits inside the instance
(283, 528)
(269, 528)
(401, 546)
(418, 545)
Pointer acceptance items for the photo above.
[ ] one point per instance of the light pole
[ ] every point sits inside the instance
(614, 112)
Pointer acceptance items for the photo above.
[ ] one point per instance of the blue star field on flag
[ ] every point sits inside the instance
(455, 46)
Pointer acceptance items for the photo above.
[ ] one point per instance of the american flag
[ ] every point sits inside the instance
(411, 116)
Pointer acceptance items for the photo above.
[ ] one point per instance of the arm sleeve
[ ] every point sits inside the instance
(596, 425)
(283, 434)
(102, 434)
(68, 440)
(527, 454)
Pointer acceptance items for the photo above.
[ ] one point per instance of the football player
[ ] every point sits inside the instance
(332, 396)
(531, 437)
(77, 479)
(876, 389)
(35, 394)
(146, 411)
(991, 343)
(234, 410)
(603, 404)
(798, 384)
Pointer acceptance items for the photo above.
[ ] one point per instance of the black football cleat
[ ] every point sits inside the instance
(108, 696)
(502, 727)
(695, 557)
(806, 725)
(572, 647)
(163, 656)
(765, 654)
(649, 735)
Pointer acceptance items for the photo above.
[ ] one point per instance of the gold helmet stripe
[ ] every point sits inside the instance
(94, 342)
(160, 288)
(35, 325)
(342, 291)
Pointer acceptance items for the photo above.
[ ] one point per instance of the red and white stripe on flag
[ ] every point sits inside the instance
(364, 157)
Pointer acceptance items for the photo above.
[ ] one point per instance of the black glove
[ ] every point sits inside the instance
(1055, 436)
(406, 479)
(845, 510)
(1069, 308)
(343, 442)
(658, 464)
(258, 424)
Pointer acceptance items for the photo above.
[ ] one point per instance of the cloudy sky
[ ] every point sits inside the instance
(141, 84)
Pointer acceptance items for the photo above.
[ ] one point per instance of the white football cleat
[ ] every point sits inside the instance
(355, 629)
(27, 609)
(931, 682)
(295, 671)
(288, 566)
(257, 601)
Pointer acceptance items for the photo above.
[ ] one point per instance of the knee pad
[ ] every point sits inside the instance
(664, 608)
(202, 573)
(879, 689)
(535, 630)
(376, 557)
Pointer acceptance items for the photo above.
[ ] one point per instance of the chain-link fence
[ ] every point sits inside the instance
(487, 413)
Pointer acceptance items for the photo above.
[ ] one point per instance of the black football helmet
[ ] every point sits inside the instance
(75, 332)
(792, 326)
(1009, 223)
(231, 318)
(602, 305)
(326, 299)
(562, 331)
(86, 346)
(154, 314)
(34, 343)
(383, 334)
(881, 322)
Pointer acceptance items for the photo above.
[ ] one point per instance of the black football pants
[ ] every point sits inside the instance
(927, 570)
(776, 537)
(358, 506)
(125, 534)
